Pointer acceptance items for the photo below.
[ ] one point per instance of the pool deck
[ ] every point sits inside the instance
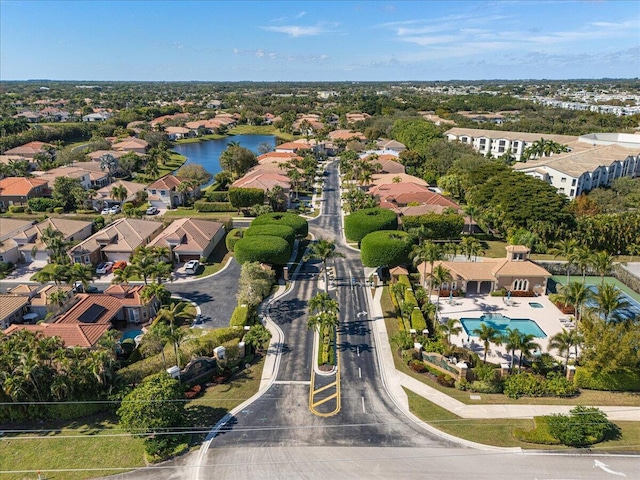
(547, 318)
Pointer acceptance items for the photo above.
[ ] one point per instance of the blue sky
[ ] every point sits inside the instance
(318, 40)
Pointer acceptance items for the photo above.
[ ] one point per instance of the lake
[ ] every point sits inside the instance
(208, 153)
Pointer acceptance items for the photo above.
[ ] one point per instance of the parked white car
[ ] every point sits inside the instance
(152, 211)
(191, 267)
(105, 211)
(104, 267)
(115, 209)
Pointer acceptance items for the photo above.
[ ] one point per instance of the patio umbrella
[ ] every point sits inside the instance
(509, 295)
(450, 296)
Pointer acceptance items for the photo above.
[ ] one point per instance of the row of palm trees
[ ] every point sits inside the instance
(607, 301)
(582, 257)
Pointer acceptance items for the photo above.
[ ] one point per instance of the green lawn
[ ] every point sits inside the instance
(216, 260)
(173, 164)
(182, 212)
(203, 138)
(48, 268)
(261, 130)
(93, 443)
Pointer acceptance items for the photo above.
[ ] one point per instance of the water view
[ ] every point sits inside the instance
(501, 323)
(208, 153)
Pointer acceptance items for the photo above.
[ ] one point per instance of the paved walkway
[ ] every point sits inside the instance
(395, 380)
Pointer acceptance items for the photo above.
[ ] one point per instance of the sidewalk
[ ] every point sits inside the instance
(395, 380)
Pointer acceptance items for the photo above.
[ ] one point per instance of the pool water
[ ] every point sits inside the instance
(501, 323)
(130, 334)
(535, 305)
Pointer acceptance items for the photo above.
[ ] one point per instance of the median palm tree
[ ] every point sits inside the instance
(323, 250)
(565, 248)
(487, 336)
(428, 252)
(563, 342)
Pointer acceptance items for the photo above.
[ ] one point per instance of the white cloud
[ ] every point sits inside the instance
(300, 30)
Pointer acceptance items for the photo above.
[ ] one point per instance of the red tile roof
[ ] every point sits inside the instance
(20, 186)
(74, 335)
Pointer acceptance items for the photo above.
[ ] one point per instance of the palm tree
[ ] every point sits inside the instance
(276, 197)
(439, 276)
(119, 193)
(426, 252)
(575, 294)
(155, 339)
(511, 341)
(564, 341)
(487, 336)
(602, 262)
(582, 258)
(323, 250)
(109, 163)
(174, 312)
(80, 273)
(56, 245)
(177, 336)
(123, 275)
(608, 301)
(471, 211)
(406, 309)
(58, 297)
(634, 249)
(471, 247)
(295, 176)
(565, 248)
(451, 327)
(526, 346)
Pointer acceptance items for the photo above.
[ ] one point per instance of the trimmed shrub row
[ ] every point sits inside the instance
(202, 206)
(214, 196)
(232, 238)
(386, 248)
(262, 249)
(240, 316)
(276, 230)
(299, 224)
(619, 381)
(363, 222)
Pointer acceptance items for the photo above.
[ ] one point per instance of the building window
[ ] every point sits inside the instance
(563, 179)
(163, 193)
(572, 192)
(573, 182)
(520, 284)
(153, 192)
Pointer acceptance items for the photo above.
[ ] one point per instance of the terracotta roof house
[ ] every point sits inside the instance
(84, 176)
(165, 118)
(357, 117)
(9, 227)
(264, 181)
(132, 188)
(293, 146)
(17, 190)
(165, 192)
(346, 135)
(190, 238)
(388, 163)
(115, 242)
(393, 145)
(72, 335)
(131, 144)
(176, 133)
(12, 309)
(95, 156)
(28, 150)
(382, 178)
(278, 156)
(41, 304)
(513, 273)
(30, 242)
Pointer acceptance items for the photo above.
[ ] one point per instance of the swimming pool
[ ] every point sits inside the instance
(130, 334)
(501, 323)
(535, 305)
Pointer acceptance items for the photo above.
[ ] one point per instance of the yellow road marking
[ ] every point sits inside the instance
(330, 397)
(322, 389)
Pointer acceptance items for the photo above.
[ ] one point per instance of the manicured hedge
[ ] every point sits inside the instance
(417, 320)
(239, 317)
(232, 238)
(16, 208)
(620, 381)
(299, 224)
(440, 226)
(214, 196)
(41, 204)
(263, 249)
(276, 230)
(202, 206)
(245, 197)
(359, 224)
(386, 248)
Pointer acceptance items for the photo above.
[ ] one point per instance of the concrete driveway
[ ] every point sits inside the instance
(25, 271)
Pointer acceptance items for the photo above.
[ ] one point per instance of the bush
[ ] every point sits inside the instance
(618, 381)
(417, 320)
(58, 210)
(283, 231)
(440, 226)
(245, 197)
(202, 206)
(299, 224)
(539, 434)
(263, 249)
(417, 366)
(232, 237)
(582, 427)
(386, 248)
(528, 385)
(361, 223)
(16, 209)
(240, 316)
(80, 211)
(214, 196)
(41, 204)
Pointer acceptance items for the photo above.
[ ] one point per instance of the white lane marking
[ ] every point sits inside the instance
(364, 410)
(359, 372)
(358, 350)
(604, 467)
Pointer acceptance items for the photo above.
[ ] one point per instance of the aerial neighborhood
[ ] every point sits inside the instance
(164, 241)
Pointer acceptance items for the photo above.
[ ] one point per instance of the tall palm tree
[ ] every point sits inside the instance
(80, 273)
(323, 250)
(450, 327)
(177, 336)
(58, 297)
(119, 193)
(428, 252)
(439, 276)
(563, 342)
(575, 294)
(406, 310)
(174, 312)
(487, 336)
(565, 248)
(602, 262)
(511, 342)
(471, 211)
(56, 245)
(155, 339)
(527, 346)
(582, 258)
(471, 247)
(123, 275)
(609, 300)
